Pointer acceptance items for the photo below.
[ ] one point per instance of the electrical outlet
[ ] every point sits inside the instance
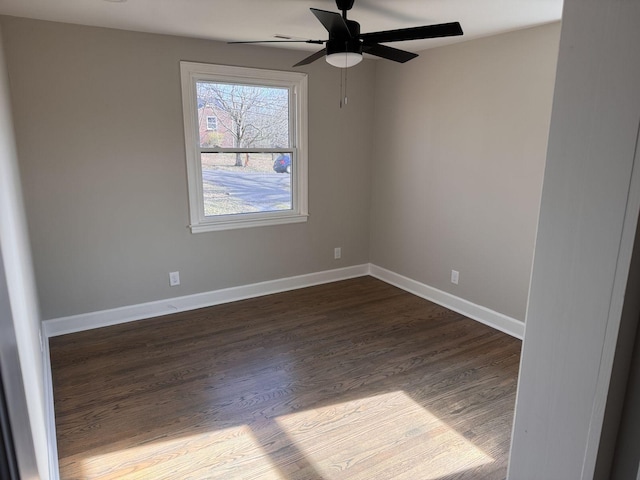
(174, 279)
(337, 253)
(454, 276)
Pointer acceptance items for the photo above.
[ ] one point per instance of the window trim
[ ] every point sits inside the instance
(192, 72)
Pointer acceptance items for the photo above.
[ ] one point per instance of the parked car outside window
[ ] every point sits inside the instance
(282, 163)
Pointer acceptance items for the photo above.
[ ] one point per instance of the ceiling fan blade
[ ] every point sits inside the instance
(319, 42)
(415, 33)
(389, 53)
(333, 22)
(312, 58)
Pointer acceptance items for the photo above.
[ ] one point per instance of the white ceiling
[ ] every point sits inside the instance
(262, 19)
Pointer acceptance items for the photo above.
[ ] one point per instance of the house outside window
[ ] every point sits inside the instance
(246, 146)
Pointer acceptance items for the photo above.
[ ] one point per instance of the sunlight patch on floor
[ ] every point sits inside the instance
(352, 439)
(216, 454)
(383, 436)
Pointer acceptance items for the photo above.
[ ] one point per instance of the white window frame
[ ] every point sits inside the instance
(215, 122)
(296, 82)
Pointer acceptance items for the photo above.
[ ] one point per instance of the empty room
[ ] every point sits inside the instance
(319, 239)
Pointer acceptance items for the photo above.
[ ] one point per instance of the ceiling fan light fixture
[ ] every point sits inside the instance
(344, 59)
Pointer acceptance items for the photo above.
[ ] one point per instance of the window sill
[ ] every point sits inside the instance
(233, 224)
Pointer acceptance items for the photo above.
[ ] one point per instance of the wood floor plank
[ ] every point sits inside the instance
(349, 380)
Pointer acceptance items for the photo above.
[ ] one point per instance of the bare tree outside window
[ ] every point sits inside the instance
(247, 116)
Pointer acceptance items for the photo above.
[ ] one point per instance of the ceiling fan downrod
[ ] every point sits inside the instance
(344, 6)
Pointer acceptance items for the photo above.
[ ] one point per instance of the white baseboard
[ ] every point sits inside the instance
(105, 318)
(481, 314)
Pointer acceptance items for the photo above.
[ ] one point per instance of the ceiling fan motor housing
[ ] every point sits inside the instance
(339, 44)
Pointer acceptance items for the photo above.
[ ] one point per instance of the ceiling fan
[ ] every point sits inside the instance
(346, 44)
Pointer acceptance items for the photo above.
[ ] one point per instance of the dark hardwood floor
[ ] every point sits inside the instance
(350, 380)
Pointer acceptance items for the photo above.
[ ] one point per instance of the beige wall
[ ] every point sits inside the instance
(459, 136)
(460, 144)
(100, 140)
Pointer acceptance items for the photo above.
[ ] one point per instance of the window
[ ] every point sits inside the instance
(246, 146)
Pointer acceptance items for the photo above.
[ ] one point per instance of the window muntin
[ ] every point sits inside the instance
(251, 170)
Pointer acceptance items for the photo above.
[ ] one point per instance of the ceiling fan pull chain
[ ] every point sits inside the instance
(346, 99)
(343, 82)
(341, 87)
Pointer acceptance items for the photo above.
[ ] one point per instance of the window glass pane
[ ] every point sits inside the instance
(234, 183)
(246, 116)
